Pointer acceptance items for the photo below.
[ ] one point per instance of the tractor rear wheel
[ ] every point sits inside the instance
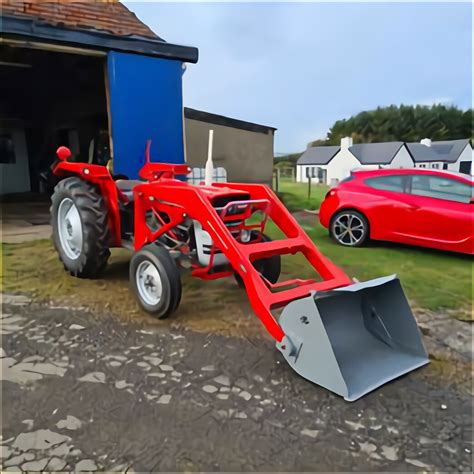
(269, 268)
(155, 280)
(79, 219)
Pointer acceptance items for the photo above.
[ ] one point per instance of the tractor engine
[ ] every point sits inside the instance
(204, 243)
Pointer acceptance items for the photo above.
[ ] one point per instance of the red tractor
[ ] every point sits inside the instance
(349, 338)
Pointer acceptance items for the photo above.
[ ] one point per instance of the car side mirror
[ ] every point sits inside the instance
(63, 153)
(472, 200)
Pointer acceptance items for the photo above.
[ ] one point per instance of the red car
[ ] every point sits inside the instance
(428, 208)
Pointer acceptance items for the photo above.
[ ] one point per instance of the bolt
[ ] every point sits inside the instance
(86, 171)
(151, 198)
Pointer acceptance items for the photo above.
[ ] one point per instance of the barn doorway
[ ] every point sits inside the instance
(49, 99)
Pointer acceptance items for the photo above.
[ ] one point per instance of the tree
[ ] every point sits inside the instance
(405, 123)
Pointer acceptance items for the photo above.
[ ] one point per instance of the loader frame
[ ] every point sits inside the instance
(197, 226)
(163, 193)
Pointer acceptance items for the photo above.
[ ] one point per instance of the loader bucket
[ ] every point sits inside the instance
(353, 339)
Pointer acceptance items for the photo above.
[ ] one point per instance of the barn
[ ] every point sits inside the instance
(93, 77)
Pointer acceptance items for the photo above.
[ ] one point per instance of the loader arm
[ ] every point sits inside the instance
(180, 200)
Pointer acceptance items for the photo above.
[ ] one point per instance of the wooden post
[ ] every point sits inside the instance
(277, 180)
(309, 185)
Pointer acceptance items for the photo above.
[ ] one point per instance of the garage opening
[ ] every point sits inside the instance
(49, 99)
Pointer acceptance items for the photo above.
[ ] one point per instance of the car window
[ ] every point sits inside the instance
(388, 183)
(440, 188)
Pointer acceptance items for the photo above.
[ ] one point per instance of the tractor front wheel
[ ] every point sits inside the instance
(79, 219)
(155, 280)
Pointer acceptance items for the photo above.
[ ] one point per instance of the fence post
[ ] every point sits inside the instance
(309, 185)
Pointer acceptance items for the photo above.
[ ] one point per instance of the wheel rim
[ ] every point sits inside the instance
(348, 229)
(70, 229)
(149, 283)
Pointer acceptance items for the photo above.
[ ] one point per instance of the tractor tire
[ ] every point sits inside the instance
(79, 218)
(155, 281)
(269, 268)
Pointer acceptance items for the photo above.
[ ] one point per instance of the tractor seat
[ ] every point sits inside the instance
(126, 186)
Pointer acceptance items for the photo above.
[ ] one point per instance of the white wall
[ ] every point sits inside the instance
(341, 165)
(438, 165)
(402, 159)
(466, 155)
(301, 173)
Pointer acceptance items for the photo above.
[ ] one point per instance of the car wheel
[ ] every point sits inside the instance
(349, 228)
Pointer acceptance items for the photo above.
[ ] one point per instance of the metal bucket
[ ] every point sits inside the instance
(354, 339)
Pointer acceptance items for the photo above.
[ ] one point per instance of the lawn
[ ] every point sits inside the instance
(432, 280)
(295, 195)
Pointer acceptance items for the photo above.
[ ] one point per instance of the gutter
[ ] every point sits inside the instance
(34, 31)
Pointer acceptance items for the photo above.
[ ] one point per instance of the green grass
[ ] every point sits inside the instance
(295, 195)
(432, 279)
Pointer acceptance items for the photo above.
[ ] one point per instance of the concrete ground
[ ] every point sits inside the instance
(83, 391)
(25, 220)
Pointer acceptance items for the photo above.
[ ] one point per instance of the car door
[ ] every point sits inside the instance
(388, 206)
(442, 213)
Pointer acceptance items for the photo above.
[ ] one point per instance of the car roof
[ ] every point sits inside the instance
(388, 172)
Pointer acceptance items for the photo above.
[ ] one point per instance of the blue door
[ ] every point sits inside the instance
(146, 102)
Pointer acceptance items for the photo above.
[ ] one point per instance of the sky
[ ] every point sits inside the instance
(299, 67)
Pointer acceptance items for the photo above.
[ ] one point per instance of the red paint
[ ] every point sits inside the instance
(164, 194)
(63, 153)
(405, 217)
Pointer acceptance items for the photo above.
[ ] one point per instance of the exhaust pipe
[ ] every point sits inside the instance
(353, 339)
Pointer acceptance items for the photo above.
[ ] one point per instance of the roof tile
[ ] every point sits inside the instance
(110, 15)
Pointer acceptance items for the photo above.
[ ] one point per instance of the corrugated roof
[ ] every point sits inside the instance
(318, 155)
(110, 16)
(376, 153)
(450, 150)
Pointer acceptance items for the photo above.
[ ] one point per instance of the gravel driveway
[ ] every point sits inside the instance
(84, 391)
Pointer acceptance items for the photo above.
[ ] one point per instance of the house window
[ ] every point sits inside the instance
(445, 166)
(311, 172)
(435, 166)
(440, 188)
(464, 167)
(395, 183)
(7, 149)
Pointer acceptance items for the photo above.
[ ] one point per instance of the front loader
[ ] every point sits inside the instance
(347, 337)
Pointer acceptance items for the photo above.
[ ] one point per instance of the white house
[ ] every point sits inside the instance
(452, 155)
(331, 164)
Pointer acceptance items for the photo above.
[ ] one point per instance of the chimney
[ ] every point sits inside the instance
(346, 142)
(426, 141)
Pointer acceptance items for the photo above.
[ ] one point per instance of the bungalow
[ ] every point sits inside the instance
(331, 164)
(453, 155)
